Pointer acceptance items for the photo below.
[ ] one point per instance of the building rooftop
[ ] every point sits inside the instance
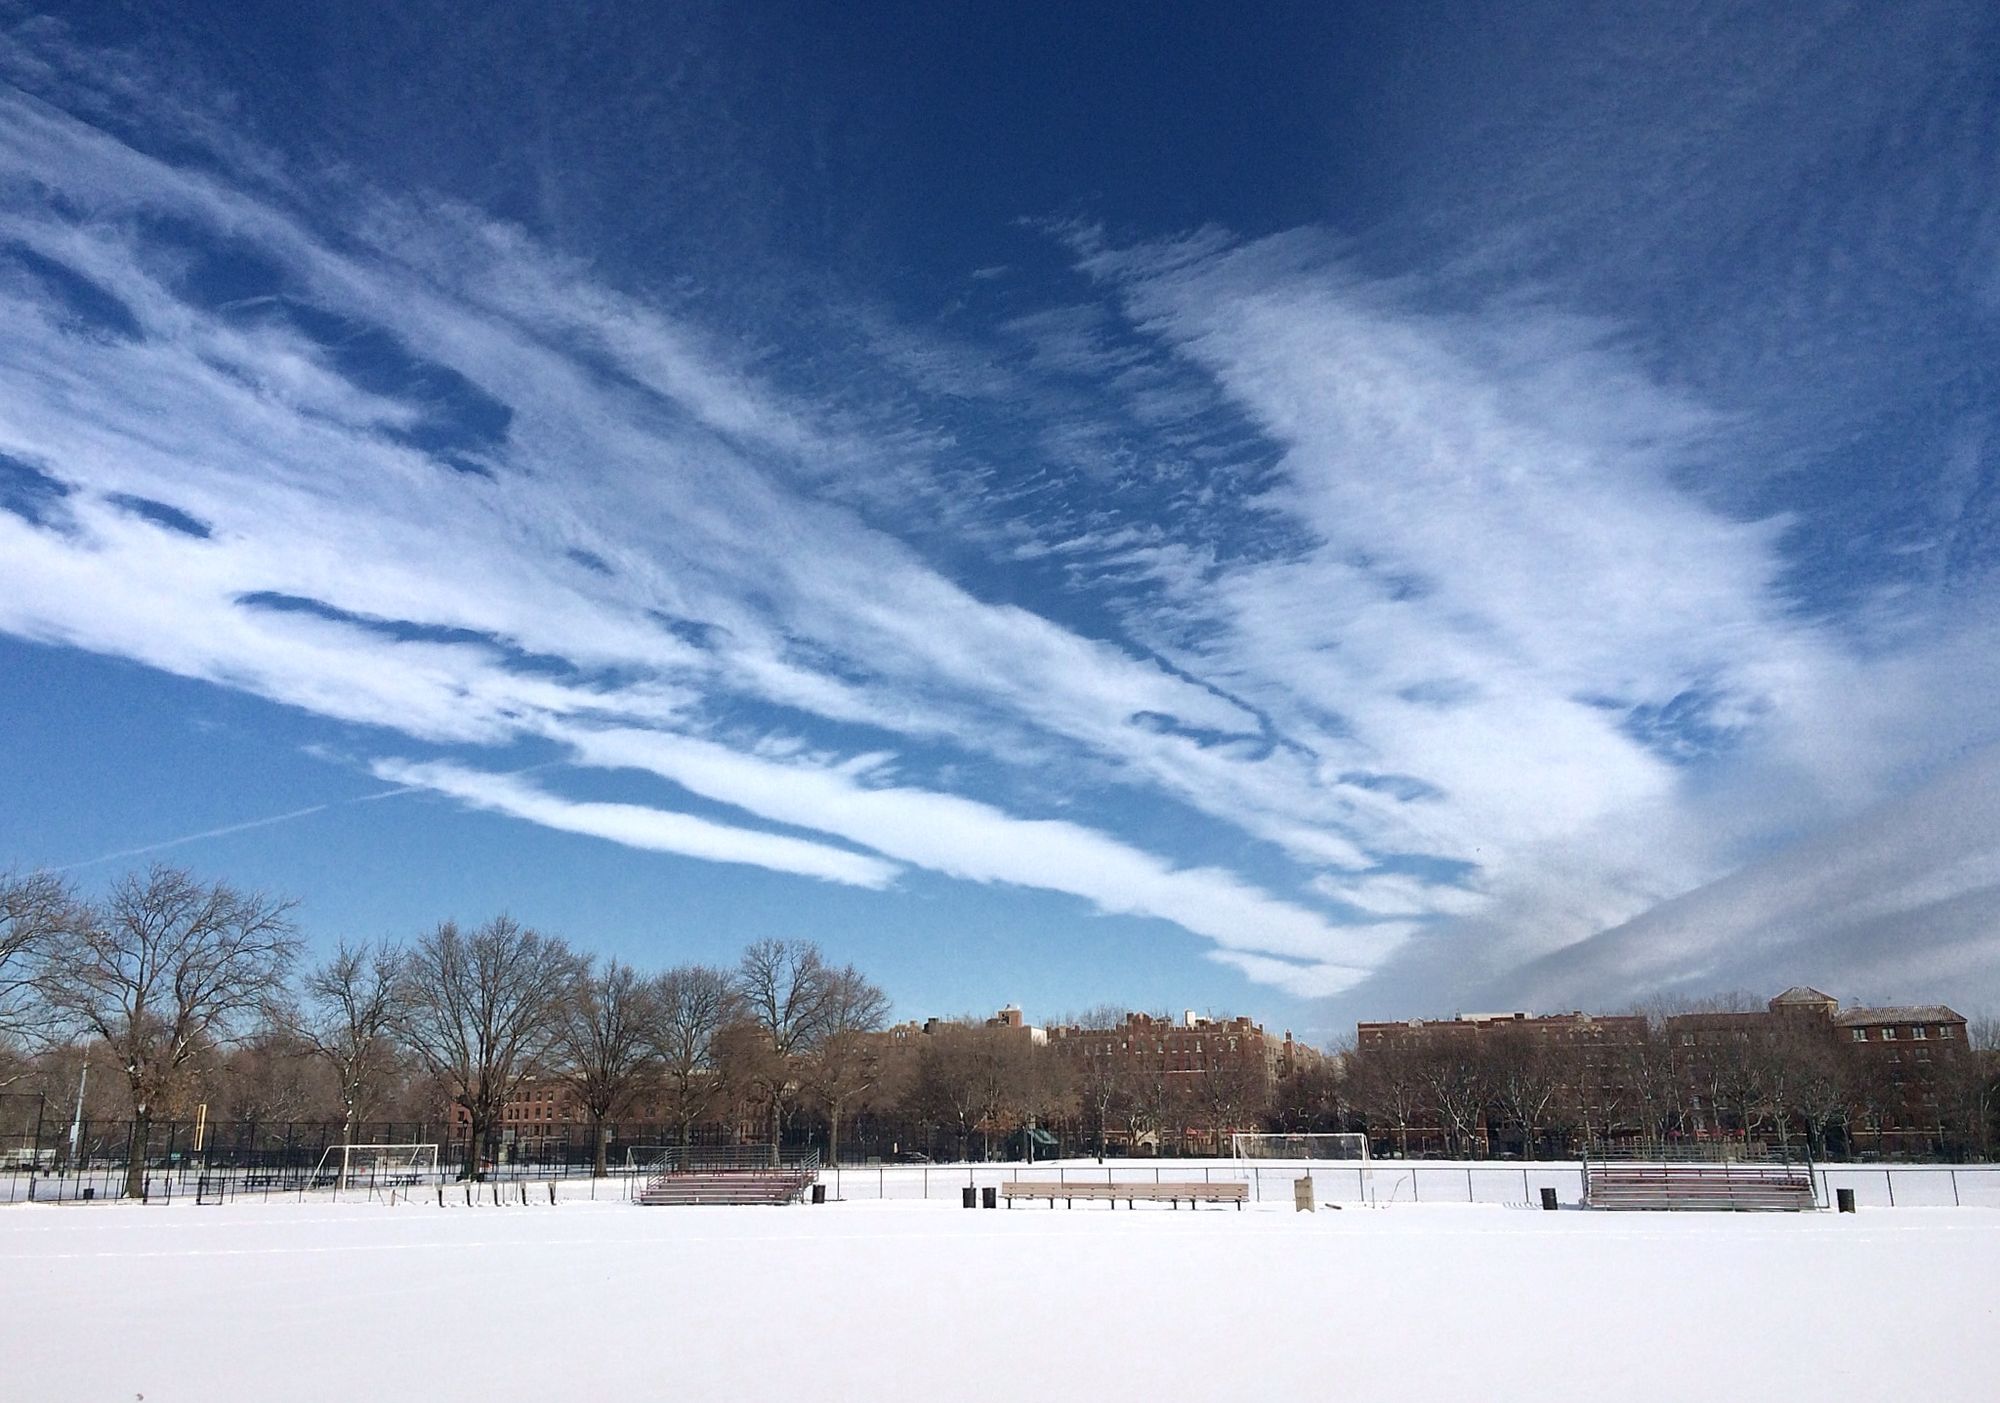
(1898, 1013)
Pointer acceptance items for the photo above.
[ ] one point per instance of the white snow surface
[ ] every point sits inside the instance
(885, 1300)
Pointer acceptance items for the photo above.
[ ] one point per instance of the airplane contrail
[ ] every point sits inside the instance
(227, 829)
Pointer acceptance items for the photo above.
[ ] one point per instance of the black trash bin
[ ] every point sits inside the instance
(992, 1196)
(1845, 1199)
(1548, 1199)
(971, 1197)
(819, 1193)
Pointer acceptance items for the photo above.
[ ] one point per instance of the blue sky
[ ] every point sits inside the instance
(1289, 510)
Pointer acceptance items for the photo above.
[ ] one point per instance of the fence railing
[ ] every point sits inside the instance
(1375, 1182)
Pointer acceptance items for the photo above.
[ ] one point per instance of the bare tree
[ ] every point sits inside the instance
(480, 1011)
(1155, 1099)
(1001, 1072)
(603, 1037)
(1969, 1090)
(691, 1006)
(1311, 1097)
(1525, 1080)
(947, 1089)
(1453, 1076)
(1047, 1092)
(165, 965)
(844, 1060)
(272, 1075)
(32, 909)
(347, 1020)
(1387, 1088)
(1653, 1070)
(785, 989)
(1101, 1084)
(1229, 1094)
(1804, 1079)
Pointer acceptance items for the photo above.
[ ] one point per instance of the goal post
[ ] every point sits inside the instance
(1329, 1145)
(398, 1164)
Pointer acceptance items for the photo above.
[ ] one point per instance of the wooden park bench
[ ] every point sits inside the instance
(1133, 1194)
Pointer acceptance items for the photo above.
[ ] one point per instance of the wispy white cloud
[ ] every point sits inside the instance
(1895, 904)
(965, 838)
(639, 825)
(1471, 664)
(1513, 638)
(610, 565)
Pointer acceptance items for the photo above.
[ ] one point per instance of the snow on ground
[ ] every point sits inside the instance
(310, 1301)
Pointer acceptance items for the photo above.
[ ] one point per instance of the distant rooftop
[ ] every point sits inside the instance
(1898, 1013)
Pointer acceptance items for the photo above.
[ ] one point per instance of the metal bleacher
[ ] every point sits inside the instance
(746, 1175)
(1727, 1186)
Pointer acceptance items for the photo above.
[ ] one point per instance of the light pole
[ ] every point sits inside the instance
(76, 1121)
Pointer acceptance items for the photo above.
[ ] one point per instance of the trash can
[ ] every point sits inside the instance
(991, 1195)
(1845, 1199)
(819, 1193)
(971, 1197)
(1302, 1194)
(1548, 1199)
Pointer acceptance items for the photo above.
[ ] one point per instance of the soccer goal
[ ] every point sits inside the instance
(1314, 1146)
(647, 1159)
(378, 1166)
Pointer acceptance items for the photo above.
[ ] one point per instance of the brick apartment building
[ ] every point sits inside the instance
(1890, 1059)
(1193, 1046)
(1595, 1029)
(1215, 1075)
(541, 1111)
(1586, 1059)
(1728, 1069)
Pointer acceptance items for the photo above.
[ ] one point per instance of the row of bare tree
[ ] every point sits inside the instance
(195, 992)
(1794, 1086)
(172, 977)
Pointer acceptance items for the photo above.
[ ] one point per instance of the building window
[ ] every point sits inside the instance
(1888, 1035)
(1860, 1035)
(1944, 1031)
(1687, 1039)
(1919, 1034)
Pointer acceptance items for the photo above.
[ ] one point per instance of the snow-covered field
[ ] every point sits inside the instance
(891, 1300)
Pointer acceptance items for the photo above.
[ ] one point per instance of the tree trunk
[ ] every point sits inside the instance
(777, 1127)
(475, 1148)
(833, 1132)
(135, 1154)
(603, 1138)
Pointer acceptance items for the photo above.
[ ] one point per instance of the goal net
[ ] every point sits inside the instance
(1314, 1146)
(376, 1165)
